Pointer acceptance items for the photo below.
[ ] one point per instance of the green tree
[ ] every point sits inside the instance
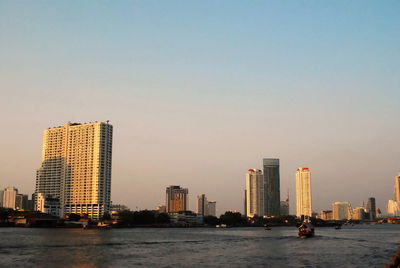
(144, 217)
(126, 217)
(106, 217)
(163, 218)
(233, 219)
(211, 220)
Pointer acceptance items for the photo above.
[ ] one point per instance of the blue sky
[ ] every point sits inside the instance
(199, 92)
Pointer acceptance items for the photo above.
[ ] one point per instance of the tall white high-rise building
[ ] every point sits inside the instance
(212, 208)
(202, 205)
(254, 193)
(9, 197)
(76, 168)
(397, 188)
(393, 208)
(303, 192)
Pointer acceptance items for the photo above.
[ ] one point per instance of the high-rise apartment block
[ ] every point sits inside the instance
(393, 208)
(303, 192)
(9, 197)
(341, 211)
(254, 193)
(397, 188)
(371, 208)
(176, 199)
(202, 205)
(76, 168)
(212, 208)
(271, 186)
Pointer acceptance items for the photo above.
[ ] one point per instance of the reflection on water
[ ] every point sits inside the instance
(358, 246)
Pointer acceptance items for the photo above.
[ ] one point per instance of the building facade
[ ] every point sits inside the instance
(254, 193)
(1, 198)
(176, 199)
(340, 211)
(284, 208)
(303, 192)
(397, 187)
(76, 168)
(9, 197)
(326, 215)
(48, 204)
(393, 208)
(202, 205)
(271, 187)
(371, 208)
(212, 208)
(358, 213)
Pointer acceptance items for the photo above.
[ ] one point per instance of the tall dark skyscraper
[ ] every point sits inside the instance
(271, 187)
(371, 207)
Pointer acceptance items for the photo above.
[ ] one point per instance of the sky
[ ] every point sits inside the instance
(200, 91)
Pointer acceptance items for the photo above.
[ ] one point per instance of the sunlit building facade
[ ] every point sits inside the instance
(393, 208)
(202, 205)
(176, 199)
(340, 211)
(397, 188)
(9, 197)
(254, 193)
(303, 192)
(76, 168)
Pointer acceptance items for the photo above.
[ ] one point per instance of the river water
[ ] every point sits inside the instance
(355, 246)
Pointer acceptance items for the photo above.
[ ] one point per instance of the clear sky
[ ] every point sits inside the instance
(200, 91)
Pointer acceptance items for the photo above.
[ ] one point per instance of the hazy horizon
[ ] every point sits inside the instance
(198, 93)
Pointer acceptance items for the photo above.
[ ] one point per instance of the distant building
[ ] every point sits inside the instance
(272, 191)
(284, 210)
(254, 193)
(326, 215)
(212, 208)
(397, 188)
(1, 198)
(303, 192)
(176, 199)
(185, 218)
(202, 205)
(393, 208)
(340, 210)
(118, 207)
(9, 197)
(76, 167)
(21, 202)
(371, 208)
(48, 204)
(358, 213)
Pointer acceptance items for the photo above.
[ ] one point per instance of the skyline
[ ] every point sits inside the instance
(200, 93)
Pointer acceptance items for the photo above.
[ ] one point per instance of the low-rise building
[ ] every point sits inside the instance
(326, 215)
(48, 204)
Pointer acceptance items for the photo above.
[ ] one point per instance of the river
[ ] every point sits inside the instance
(352, 246)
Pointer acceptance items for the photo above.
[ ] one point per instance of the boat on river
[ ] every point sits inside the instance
(306, 229)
